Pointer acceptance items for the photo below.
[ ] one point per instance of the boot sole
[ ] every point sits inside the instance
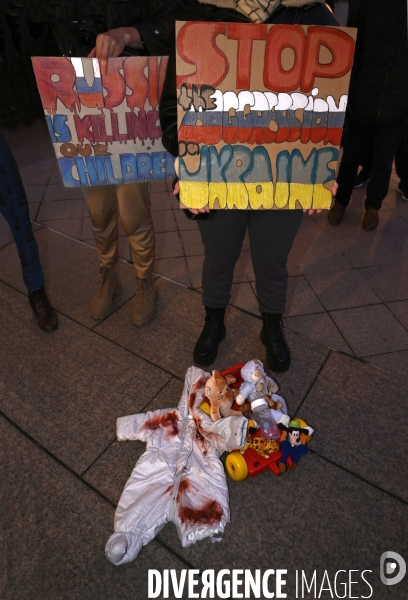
(272, 364)
(145, 320)
(208, 360)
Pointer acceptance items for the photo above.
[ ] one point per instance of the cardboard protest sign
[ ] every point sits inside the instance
(103, 118)
(260, 113)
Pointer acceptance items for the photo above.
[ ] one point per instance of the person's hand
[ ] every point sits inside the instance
(319, 210)
(176, 191)
(112, 43)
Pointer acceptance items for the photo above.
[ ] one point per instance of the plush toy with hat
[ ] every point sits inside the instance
(293, 446)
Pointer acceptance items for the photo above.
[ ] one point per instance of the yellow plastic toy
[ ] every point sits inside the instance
(236, 466)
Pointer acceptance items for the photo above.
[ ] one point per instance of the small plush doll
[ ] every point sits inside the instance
(293, 446)
(221, 396)
(261, 445)
(256, 384)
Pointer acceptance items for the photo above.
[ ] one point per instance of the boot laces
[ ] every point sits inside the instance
(212, 325)
(273, 328)
(142, 290)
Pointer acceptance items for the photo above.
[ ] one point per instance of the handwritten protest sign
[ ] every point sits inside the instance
(103, 118)
(260, 113)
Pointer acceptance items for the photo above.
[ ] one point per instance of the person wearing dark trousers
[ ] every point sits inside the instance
(401, 161)
(378, 99)
(14, 208)
(271, 232)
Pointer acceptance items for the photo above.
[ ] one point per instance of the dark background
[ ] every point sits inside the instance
(42, 28)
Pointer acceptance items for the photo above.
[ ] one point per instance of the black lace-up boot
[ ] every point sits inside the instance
(277, 351)
(206, 348)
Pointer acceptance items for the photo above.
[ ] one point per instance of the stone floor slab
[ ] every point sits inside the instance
(57, 192)
(301, 299)
(400, 310)
(393, 362)
(349, 523)
(320, 328)
(371, 330)
(35, 193)
(168, 245)
(66, 389)
(353, 406)
(192, 243)
(54, 529)
(71, 270)
(390, 283)
(243, 296)
(174, 269)
(112, 469)
(342, 289)
(163, 220)
(63, 209)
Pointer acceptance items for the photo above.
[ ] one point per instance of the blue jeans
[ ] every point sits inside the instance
(14, 208)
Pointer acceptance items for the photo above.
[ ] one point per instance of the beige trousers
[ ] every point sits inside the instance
(135, 217)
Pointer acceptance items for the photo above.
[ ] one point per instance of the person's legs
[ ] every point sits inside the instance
(14, 208)
(385, 146)
(222, 237)
(358, 142)
(137, 223)
(271, 236)
(102, 206)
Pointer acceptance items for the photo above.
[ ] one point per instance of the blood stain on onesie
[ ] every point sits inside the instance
(202, 442)
(168, 489)
(169, 421)
(192, 397)
(209, 513)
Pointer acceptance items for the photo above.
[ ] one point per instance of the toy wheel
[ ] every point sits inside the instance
(236, 466)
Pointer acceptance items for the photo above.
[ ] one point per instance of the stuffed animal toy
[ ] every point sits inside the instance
(261, 445)
(221, 396)
(256, 384)
(293, 446)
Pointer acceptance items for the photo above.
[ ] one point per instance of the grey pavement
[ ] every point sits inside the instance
(61, 468)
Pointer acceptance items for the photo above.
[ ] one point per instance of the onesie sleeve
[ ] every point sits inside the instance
(226, 434)
(142, 425)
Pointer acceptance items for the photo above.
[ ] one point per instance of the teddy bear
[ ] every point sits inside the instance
(257, 385)
(221, 396)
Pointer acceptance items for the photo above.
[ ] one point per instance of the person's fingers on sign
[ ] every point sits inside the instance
(112, 43)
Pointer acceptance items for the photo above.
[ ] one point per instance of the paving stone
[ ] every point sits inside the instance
(60, 192)
(33, 208)
(183, 222)
(390, 283)
(35, 178)
(192, 243)
(393, 362)
(164, 220)
(66, 389)
(69, 227)
(163, 201)
(63, 209)
(71, 271)
(35, 193)
(349, 523)
(113, 468)
(54, 530)
(320, 328)
(301, 299)
(400, 310)
(371, 330)
(6, 237)
(56, 177)
(319, 257)
(168, 245)
(352, 405)
(173, 268)
(342, 289)
(243, 296)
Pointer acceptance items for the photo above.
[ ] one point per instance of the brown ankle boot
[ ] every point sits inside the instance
(102, 302)
(145, 301)
(336, 213)
(370, 219)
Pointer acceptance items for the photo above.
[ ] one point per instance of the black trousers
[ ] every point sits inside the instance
(383, 140)
(271, 235)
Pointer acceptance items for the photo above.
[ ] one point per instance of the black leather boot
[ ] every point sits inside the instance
(277, 351)
(46, 316)
(206, 348)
